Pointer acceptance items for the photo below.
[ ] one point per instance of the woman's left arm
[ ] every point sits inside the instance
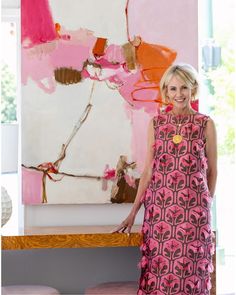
(211, 153)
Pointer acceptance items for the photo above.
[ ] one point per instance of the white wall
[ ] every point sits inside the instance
(9, 148)
(10, 3)
(68, 215)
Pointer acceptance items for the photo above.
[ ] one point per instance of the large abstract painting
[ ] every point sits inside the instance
(90, 85)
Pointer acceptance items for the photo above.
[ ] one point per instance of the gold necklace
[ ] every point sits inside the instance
(177, 138)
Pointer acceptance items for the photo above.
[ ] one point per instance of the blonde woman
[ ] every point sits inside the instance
(176, 188)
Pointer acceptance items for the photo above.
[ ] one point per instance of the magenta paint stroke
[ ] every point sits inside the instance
(37, 24)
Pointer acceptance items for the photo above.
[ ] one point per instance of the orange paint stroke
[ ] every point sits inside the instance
(153, 60)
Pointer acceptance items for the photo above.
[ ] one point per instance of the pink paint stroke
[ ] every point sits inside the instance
(31, 186)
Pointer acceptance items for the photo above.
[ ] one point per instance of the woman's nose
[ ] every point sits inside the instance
(179, 92)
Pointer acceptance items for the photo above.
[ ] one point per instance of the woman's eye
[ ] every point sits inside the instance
(172, 88)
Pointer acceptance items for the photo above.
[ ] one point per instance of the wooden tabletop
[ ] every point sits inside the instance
(70, 237)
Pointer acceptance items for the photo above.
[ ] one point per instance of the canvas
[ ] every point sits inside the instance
(90, 85)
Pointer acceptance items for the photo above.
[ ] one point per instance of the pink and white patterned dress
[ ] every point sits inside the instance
(177, 237)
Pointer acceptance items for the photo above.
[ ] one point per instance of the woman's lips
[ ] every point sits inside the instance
(179, 99)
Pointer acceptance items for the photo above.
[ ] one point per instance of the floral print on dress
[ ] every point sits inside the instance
(177, 244)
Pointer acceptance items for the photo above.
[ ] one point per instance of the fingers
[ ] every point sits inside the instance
(122, 228)
(117, 229)
(129, 229)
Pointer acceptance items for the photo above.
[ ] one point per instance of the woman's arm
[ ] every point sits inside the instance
(211, 153)
(143, 183)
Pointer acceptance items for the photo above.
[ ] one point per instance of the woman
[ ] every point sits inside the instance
(176, 188)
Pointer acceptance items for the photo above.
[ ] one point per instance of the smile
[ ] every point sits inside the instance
(180, 99)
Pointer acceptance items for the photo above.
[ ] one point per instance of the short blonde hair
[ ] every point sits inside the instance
(185, 72)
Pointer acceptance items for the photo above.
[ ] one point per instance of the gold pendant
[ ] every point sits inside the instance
(177, 139)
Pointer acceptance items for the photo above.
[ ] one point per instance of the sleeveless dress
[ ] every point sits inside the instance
(177, 244)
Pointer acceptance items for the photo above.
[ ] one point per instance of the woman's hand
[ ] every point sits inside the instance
(126, 225)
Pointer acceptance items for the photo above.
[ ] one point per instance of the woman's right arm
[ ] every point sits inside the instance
(143, 183)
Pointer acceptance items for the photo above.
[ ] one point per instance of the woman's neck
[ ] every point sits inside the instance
(185, 111)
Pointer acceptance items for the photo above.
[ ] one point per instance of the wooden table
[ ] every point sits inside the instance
(70, 237)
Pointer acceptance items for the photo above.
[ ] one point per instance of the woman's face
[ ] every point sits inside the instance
(179, 93)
